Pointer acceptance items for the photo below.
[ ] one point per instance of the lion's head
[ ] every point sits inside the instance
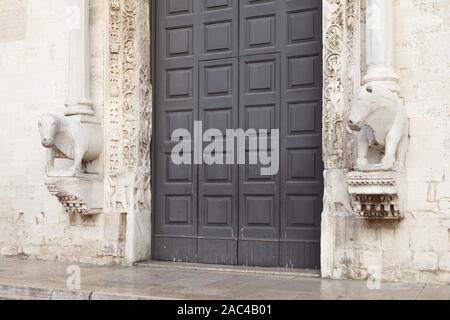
(48, 127)
(369, 99)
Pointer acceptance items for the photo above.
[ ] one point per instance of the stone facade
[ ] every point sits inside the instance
(38, 216)
(33, 62)
(416, 248)
(34, 81)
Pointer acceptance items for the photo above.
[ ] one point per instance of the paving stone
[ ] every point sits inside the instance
(28, 279)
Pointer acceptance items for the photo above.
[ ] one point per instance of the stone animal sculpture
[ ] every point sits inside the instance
(380, 119)
(68, 138)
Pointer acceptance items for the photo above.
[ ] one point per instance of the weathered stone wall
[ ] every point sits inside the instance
(33, 67)
(416, 249)
(34, 53)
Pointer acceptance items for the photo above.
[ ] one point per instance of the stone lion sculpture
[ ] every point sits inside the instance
(380, 119)
(68, 139)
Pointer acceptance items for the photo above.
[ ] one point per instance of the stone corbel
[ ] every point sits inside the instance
(81, 196)
(377, 194)
(378, 117)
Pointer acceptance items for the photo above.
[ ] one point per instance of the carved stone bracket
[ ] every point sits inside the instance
(376, 194)
(82, 196)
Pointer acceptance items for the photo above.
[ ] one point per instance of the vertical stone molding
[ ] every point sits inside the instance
(128, 119)
(341, 25)
(342, 73)
(79, 100)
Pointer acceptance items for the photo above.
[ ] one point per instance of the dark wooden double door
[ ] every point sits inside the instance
(239, 64)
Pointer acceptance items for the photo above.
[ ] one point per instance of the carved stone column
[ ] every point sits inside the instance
(79, 100)
(381, 124)
(380, 44)
(78, 135)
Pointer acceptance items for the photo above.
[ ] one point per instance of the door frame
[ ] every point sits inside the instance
(155, 87)
(128, 42)
(341, 62)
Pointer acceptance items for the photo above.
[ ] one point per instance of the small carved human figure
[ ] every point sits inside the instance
(380, 119)
(68, 139)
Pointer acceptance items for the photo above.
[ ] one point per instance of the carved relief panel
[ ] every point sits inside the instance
(128, 116)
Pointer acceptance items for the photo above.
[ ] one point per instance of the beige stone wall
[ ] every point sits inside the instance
(33, 68)
(33, 65)
(418, 248)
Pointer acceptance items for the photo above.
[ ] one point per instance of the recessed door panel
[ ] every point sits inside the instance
(301, 151)
(175, 225)
(217, 193)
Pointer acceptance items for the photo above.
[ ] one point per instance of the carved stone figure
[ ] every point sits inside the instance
(381, 121)
(69, 138)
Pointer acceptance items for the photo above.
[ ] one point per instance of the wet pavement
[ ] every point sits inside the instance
(27, 279)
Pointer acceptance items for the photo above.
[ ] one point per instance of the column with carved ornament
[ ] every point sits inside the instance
(79, 101)
(380, 44)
